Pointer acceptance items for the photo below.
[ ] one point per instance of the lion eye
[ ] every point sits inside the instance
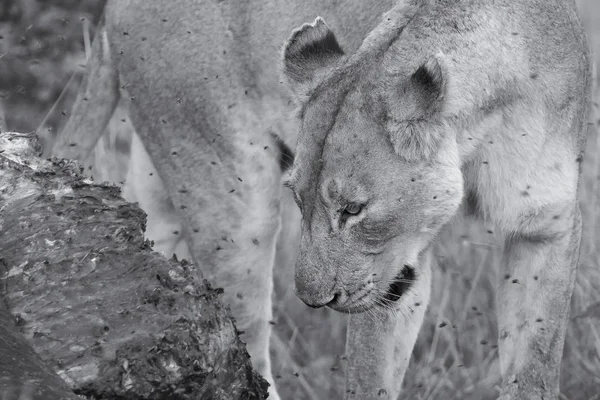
(353, 208)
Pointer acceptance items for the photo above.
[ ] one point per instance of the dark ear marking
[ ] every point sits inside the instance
(429, 74)
(310, 48)
(430, 82)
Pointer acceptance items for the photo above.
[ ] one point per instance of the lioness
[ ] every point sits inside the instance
(446, 102)
(202, 82)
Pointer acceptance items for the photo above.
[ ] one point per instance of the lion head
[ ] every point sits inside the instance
(377, 170)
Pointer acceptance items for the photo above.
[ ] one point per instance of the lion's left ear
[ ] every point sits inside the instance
(311, 49)
(430, 82)
(416, 112)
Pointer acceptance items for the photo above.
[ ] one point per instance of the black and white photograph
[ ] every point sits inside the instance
(299, 199)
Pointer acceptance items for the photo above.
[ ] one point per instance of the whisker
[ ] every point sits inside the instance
(391, 295)
(290, 158)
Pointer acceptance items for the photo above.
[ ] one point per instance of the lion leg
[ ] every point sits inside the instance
(230, 214)
(144, 185)
(534, 300)
(379, 344)
(248, 252)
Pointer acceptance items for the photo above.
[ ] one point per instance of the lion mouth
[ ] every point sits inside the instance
(399, 286)
(402, 282)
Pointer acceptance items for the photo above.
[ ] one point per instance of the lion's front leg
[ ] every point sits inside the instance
(534, 300)
(379, 343)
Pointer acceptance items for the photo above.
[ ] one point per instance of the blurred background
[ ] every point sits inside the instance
(42, 47)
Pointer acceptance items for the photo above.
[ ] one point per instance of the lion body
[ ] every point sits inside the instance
(445, 100)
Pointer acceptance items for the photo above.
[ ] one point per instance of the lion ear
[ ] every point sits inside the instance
(415, 113)
(430, 84)
(311, 49)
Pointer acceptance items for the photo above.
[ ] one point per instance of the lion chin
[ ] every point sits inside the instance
(401, 283)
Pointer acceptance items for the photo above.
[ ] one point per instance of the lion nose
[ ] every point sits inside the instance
(320, 302)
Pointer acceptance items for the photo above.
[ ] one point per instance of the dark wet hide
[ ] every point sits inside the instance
(401, 284)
